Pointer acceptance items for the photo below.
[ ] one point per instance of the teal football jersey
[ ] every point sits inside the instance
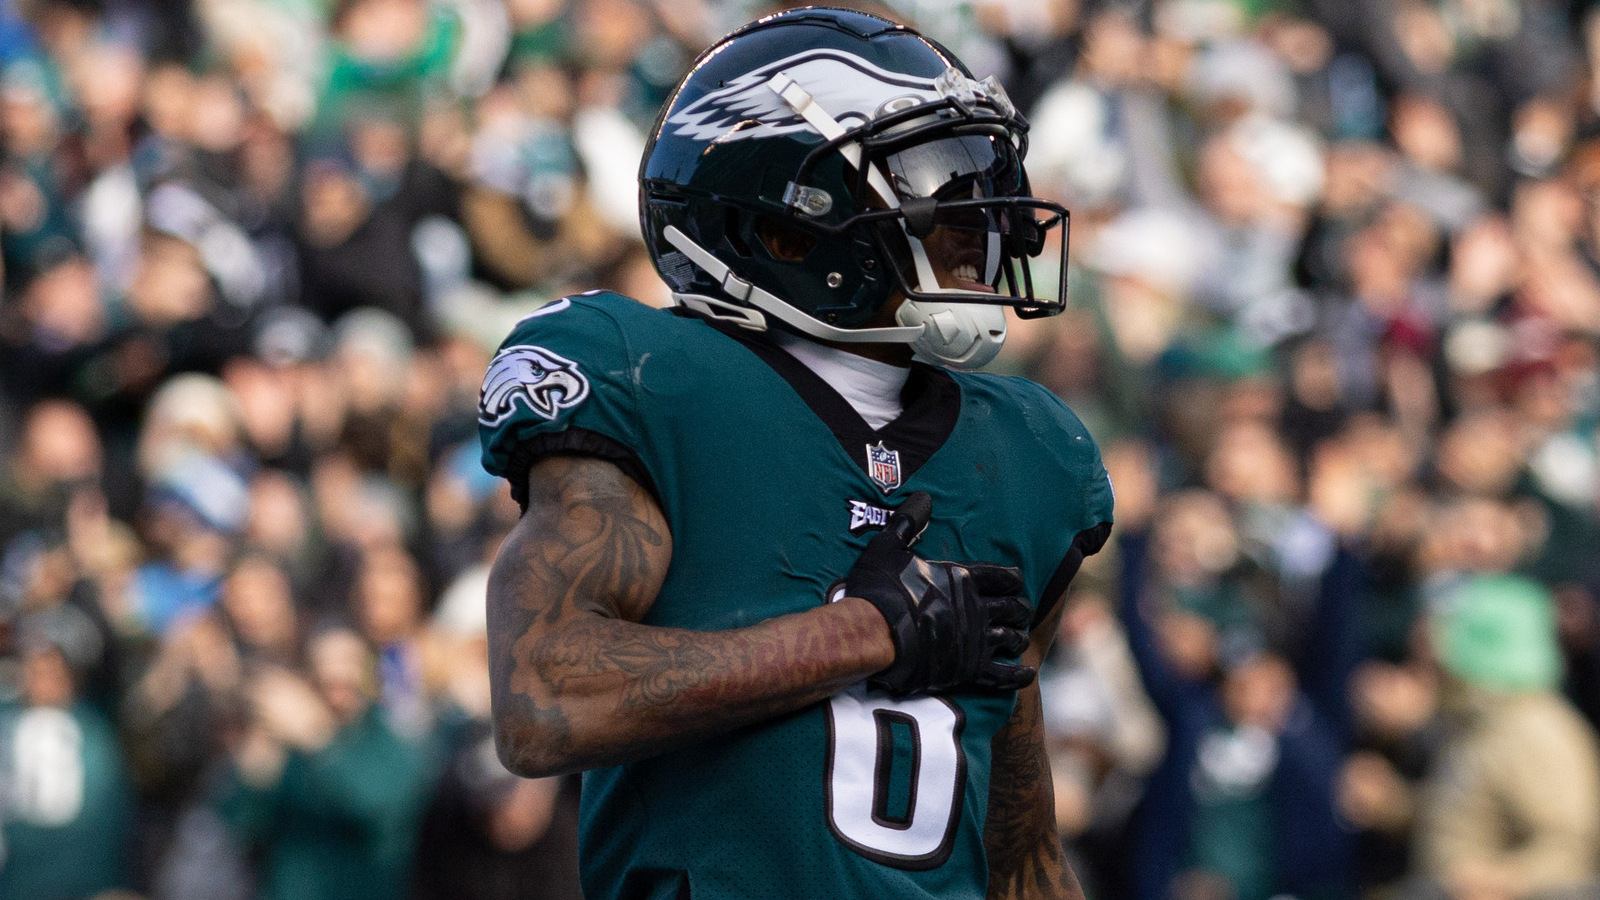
(772, 485)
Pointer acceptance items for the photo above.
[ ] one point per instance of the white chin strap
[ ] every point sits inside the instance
(757, 299)
(964, 335)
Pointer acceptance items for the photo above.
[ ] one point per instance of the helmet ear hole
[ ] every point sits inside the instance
(783, 242)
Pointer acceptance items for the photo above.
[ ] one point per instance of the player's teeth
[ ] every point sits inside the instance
(966, 273)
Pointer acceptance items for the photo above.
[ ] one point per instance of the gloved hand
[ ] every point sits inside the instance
(950, 621)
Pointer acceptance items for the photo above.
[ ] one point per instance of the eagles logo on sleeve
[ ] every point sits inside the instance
(541, 381)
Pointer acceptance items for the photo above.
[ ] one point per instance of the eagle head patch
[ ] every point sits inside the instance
(543, 382)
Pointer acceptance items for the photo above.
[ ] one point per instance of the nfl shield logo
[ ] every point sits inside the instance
(883, 465)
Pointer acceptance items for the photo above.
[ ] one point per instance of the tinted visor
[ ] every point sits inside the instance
(944, 168)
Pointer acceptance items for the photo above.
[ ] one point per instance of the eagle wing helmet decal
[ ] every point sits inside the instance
(544, 382)
(844, 84)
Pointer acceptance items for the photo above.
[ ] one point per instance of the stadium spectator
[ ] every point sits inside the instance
(68, 795)
(1513, 806)
(58, 453)
(321, 784)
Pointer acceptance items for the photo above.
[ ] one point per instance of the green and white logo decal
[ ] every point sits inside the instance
(540, 381)
(844, 84)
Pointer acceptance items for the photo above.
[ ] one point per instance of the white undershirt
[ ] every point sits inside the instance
(871, 387)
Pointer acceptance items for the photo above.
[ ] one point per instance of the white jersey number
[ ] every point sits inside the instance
(862, 724)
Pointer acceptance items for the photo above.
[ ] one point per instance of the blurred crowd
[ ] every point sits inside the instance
(1336, 303)
(1335, 319)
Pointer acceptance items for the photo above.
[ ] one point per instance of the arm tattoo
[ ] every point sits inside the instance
(662, 662)
(591, 541)
(601, 543)
(578, 683)
(1026, 858)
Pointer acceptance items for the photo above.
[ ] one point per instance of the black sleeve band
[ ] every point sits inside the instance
(1087, 543)
(574, 442)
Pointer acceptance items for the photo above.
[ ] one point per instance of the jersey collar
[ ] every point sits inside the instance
(931, 398)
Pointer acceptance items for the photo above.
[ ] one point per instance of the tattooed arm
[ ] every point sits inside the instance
(578, 683)
(1026, 859)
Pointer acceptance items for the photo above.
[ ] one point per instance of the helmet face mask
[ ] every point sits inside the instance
(904, 172)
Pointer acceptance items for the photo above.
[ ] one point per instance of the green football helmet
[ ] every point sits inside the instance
(816, 163)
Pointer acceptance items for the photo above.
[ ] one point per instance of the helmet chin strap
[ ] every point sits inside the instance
(745, 292)
(964, 335)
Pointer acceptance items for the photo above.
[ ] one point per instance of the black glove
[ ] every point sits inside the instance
(949, 621)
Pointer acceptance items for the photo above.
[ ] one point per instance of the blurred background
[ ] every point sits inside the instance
(1335, 319)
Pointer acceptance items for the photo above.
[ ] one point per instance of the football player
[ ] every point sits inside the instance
(785, 570)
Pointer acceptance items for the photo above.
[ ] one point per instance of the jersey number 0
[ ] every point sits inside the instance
(896, 774)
